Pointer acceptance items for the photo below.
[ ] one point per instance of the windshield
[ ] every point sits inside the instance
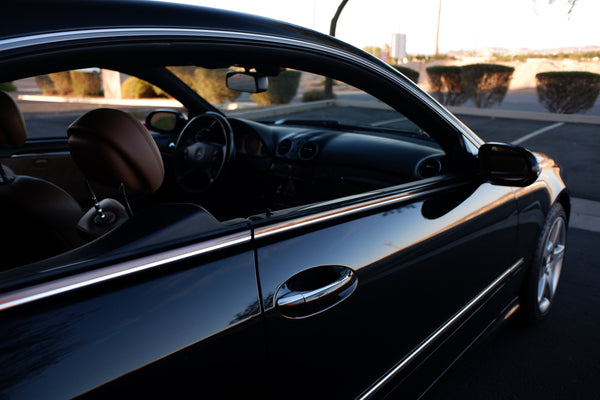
(298, 98)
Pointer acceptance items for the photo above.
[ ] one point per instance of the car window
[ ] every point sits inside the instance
(51, 102)
(291, 148)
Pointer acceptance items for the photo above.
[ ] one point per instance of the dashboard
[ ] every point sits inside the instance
(277, 165)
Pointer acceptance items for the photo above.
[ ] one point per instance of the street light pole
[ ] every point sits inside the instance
(328, 92)
(437, 35)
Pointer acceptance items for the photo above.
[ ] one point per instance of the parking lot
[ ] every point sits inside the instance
(557, 359)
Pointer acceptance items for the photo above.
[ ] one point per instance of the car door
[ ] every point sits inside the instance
(416, 257)
(166, 305)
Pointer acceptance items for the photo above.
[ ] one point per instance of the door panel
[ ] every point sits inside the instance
(188, 327)
(417, 263)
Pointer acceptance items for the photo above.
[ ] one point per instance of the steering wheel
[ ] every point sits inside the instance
(204, 149)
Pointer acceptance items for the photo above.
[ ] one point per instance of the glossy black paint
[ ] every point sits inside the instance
(69, 345)
(410, 281)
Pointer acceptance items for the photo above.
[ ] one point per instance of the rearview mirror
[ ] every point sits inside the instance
(249, 82)
(508, 165)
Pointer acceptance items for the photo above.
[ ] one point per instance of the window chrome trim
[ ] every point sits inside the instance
(435, 335)
(84, 279)
(423, 190)
(46, 154)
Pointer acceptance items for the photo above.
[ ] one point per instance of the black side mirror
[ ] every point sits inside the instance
(249, 82)
(507, 165)
(165, 121)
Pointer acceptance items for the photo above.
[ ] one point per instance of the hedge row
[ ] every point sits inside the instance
(135, 88)
(567, 92)
(208, 83)
(447, 85)
(485, 84)
(78, 83)
(282, 88)
(408, 72)
(7, 87)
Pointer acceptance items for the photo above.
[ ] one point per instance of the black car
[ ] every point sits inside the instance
(214, 243)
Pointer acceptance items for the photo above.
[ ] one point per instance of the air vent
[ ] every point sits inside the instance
(429, 167)
(308, 151)
(284, 147)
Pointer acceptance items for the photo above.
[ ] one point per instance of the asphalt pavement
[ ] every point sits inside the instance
(558, 359)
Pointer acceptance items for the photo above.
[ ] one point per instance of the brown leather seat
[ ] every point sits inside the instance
(38, 218)
(113, 148)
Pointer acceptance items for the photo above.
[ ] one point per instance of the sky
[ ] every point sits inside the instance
(464, 25)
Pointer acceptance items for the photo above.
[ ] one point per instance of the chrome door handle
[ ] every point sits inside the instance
(292, 296)
(296, 298)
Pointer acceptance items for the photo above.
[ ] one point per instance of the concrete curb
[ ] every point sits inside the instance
(528, 115)
(102, 101)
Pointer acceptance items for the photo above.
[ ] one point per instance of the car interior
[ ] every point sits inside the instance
(220, 170)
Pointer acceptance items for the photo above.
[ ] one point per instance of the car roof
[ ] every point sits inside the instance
(51, 16)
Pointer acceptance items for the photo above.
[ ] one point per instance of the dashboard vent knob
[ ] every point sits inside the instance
(284, 147)
(308, 151)
(429, 167)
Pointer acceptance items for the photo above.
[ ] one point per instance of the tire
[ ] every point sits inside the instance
(541, 282)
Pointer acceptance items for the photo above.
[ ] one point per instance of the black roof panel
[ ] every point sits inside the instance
(31, 17)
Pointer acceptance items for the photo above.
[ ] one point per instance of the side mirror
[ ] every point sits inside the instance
(507, 165)
(249, 82)
(165, 121)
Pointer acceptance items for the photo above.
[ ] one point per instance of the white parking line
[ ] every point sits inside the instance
(389, 121)
(538, 132)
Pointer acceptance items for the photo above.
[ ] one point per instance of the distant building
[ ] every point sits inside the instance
(398, 49)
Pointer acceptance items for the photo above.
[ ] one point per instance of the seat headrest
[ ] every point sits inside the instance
(12, 124)
(112, 147)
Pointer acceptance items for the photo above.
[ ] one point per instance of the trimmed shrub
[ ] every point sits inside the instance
(185, 73)
(211, 85)
(56, 83)
(486, 84)
(86, 83)
(447, 85)
(314, 95)
(45, 84)
(408, 72)
(61, 82)
(7, 87)
(135, 88)
(282, 89)
(208, 83)
(567, 92)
